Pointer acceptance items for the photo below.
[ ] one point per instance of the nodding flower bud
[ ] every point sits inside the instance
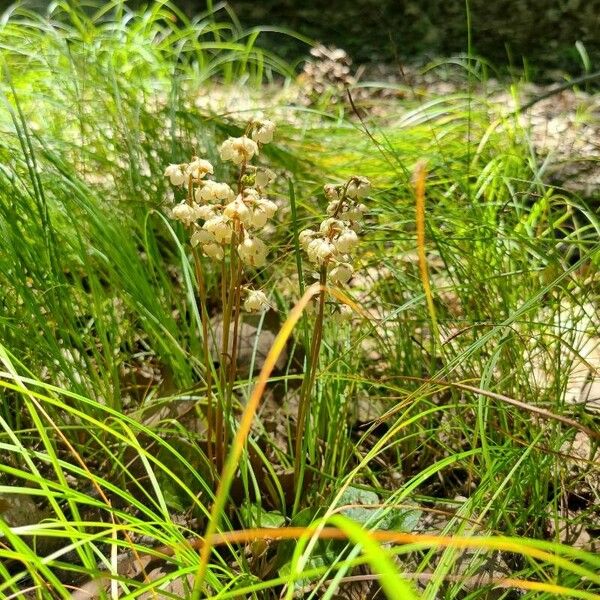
(336, 238)
(268, 206)
(250, 195)
(184, 212)
(198, 168)
(332, 192)
(263, 131)
(238, 210)
(258, 217)
(202, 237)
(305, 237)
(256, 301)
(263, 210)
(213, 191)
(264, 177)
(358, 187)
(333, 207)
(238, 150)
(205, 211)
(346, 241)
(319, 251)
(220, 227)
(331, 226)
(175, 174)
(354, 213)
(214, 251)
(341, 273)
(208, 243)
(253, 252)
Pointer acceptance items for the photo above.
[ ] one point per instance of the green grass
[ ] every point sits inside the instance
(99, 329)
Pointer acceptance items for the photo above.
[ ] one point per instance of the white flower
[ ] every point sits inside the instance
(346, 241)
(220, 227)
(258, 217)
(175, 174)
(202, 237)
(205, 211)
(238, 150)
(256, 301)
(212, 191)
(333, 207)
(263, 131)
(198, 168)
(331, 226)
(332, 192)
(355, 213)
(263, 210)
(213, 251)
(264, 177)
(253, 252)
(183, 212)
(238, 210)
(250, 195)
(320, 251)
(358, 187)
(341, 273)
(268, 206)
(305, 237)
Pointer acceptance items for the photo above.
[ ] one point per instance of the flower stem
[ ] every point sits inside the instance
(207, 355)
(205, 342)
(305, 391)
(234, 314)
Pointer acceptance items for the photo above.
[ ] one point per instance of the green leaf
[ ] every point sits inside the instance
(402, 519)
(253, 515)
(379, 517)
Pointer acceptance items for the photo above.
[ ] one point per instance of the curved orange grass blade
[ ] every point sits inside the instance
(420, 175)
(420, 541)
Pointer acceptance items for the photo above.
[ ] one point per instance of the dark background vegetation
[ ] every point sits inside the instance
(543, 32)
(539, 35)
(503, 31)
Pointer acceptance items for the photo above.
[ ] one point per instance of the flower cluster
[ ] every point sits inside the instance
(331, 246)
(219, 217)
